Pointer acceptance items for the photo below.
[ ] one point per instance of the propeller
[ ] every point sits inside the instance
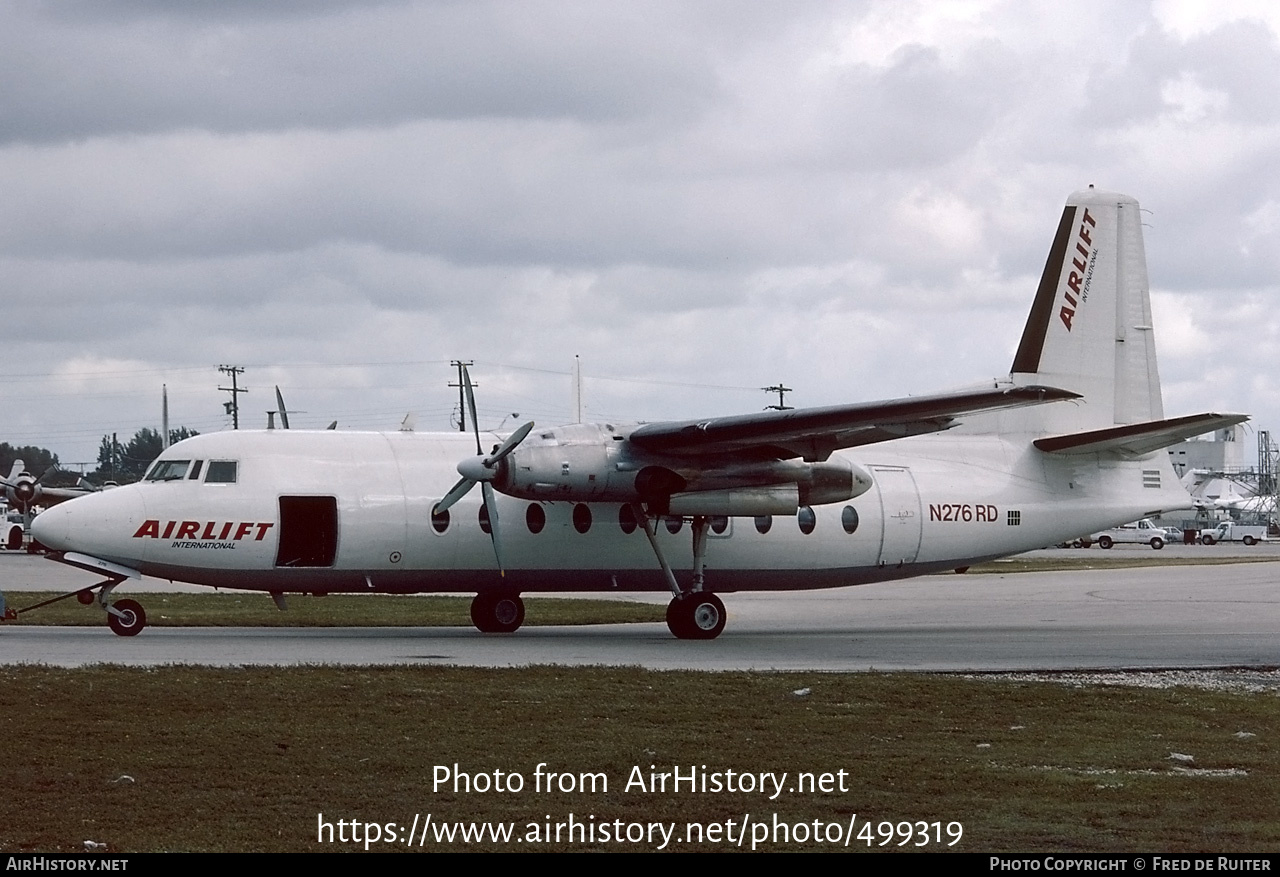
(482, 469)
(24, 489)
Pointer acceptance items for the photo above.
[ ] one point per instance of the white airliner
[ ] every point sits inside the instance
(1069, 442)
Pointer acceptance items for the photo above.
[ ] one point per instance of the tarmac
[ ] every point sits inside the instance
(1164, 617)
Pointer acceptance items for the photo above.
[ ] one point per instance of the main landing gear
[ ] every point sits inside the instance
(696, 615)
(497, 613)
(692, 614)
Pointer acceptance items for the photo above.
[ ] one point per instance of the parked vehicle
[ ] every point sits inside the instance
(1229, 531)
(12, 532)
(1141, 532)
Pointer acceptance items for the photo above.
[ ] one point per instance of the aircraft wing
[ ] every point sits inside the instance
(1138, 439)
(813, 433)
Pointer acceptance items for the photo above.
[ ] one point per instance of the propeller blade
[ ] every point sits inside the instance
(459, 490)
(491, 505)
(471, 408)
(284, 415)
(510, 444)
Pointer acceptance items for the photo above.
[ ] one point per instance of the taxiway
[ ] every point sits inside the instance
(1156, 617)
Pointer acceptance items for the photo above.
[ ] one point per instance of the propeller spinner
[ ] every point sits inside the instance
(482, 469)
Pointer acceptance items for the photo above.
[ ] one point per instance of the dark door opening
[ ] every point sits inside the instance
(308, 531)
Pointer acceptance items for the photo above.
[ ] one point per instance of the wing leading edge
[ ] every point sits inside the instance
(813, 433)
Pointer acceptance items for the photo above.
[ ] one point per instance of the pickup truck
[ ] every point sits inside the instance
(1232, 532)
(1142, 532)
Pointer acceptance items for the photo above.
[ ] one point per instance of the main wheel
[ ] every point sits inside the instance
(1105, 542)
(497, 613)
(131, 619)
(699, 615)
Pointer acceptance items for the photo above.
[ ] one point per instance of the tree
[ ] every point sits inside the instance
(37, 460)
(129, 462)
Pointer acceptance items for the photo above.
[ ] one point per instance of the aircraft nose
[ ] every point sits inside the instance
(99, 524)
(51, 526)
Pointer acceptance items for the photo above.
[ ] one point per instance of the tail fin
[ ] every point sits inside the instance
(1089, 330)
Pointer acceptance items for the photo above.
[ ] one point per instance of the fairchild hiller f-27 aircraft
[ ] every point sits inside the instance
(1070, 442)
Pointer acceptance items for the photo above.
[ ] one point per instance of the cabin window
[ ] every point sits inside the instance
(674, 523)
(169, 470)
(195, 470)
(484, 519)
(849, 519)
(627, 519)
(719, 524)
(535, 518)
(439, 520)
(308, 531)
(582, 517)
(220, 472)
(764, 523)
(806, 519)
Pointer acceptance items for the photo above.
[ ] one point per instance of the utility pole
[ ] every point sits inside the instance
(782, 399)
(233, 407)
(462, 402)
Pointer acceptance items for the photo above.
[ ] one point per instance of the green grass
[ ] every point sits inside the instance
(1106, 560)
(239, 609)
(246, 759)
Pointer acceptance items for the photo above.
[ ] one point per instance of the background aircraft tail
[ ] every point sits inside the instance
(1090, 329)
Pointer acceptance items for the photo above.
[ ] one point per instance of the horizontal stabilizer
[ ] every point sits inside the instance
(813, 433)
(1138, 439)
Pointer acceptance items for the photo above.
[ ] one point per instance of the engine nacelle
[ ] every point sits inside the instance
(595, 463)
(780, 499)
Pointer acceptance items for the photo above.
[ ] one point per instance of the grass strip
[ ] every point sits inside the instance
(1106, 561)
(240, 609)
(194, 759)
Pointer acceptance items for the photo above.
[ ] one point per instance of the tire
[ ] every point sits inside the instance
(699, 615)
(497, 613)
(1105, 542)
(1206, 539)
(13, 540)
(1249, 540)
(132, 620)
(1157, 543)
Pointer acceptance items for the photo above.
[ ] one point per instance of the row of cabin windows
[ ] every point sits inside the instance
(535, 518)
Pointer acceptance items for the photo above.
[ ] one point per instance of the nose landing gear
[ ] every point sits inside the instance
(126, 617)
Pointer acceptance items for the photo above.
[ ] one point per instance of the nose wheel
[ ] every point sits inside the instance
(126, 617)
(696, 615)
(497, 613)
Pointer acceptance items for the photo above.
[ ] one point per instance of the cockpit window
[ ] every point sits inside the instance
(195, 471)
(221, 472)
(168, 470)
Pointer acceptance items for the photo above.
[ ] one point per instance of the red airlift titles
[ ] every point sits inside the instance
(1070, 441)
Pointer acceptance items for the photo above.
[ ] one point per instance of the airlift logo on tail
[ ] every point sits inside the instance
(1082, 261)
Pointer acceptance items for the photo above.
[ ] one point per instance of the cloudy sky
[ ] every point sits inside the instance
(696, 199)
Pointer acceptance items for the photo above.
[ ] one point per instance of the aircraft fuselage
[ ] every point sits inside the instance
(352, 512)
